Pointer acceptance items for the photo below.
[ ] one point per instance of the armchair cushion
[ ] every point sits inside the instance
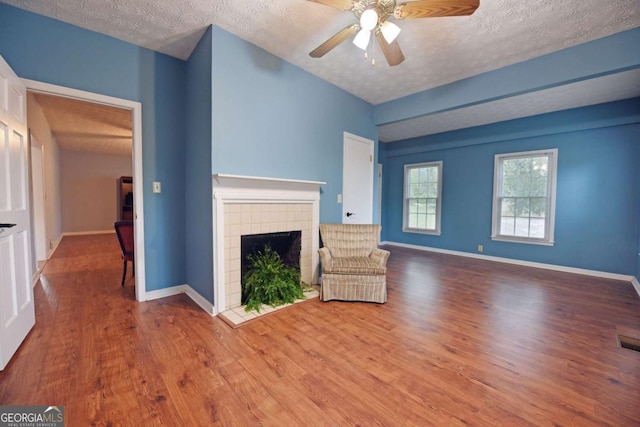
(354, 265)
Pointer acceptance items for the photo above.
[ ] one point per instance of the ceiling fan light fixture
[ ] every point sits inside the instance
(372, 16)
(362, 39)
(369, 19)
(389, 31)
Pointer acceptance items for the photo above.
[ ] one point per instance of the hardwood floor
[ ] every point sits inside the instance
(461, 341)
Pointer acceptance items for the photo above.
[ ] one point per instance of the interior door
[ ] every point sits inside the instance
(357, 180)
(17, 314)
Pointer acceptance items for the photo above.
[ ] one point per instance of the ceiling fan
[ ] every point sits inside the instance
(373, 17)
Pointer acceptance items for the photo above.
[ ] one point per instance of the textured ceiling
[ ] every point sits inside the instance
(87, 126)
(589, 92)
(437, 50)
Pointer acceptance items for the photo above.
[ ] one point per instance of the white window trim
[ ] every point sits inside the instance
(405, 207)
(550, 223)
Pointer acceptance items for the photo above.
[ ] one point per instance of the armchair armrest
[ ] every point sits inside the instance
(325, 257)
(380, 256)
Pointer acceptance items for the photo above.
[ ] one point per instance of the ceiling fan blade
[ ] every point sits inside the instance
(334, 41)
(391, 51)
(338, 4)
(435, 8)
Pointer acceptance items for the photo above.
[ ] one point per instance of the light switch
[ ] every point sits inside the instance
(157, 187)
(339, 198)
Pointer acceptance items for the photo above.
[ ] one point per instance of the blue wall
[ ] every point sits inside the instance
(199, 227)
(638, 252)
(272, 119)
(251, 113)
(235, 108)
(265, 117)
(50, 51)
(615, 53)
(598, 190)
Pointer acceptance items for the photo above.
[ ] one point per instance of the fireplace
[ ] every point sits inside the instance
(287, 244)
(252, 205)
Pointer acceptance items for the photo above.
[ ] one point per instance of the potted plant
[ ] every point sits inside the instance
(270, 281)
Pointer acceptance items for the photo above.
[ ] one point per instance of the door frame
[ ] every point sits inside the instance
(371, 144)
(39, 232)
(379, 187)
(136, 111)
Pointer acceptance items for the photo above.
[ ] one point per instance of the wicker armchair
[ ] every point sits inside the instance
(353, 267)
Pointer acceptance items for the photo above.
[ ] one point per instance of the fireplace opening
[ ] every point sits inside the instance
(287, 244)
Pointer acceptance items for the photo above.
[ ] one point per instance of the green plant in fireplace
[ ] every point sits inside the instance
(270, 281)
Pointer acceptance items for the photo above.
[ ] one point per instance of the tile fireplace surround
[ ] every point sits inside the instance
(252, 205)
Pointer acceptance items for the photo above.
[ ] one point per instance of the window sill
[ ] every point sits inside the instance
(522, 240)
(419, 231)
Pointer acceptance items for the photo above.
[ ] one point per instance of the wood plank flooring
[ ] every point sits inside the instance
(460, 342)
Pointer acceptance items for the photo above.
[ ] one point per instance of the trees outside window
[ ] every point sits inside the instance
(422, 197)
(524, 196)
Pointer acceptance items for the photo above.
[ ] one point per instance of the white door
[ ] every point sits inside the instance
(17, 314)
(357, 180)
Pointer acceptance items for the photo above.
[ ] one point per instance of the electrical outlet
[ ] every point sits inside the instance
(480, 248)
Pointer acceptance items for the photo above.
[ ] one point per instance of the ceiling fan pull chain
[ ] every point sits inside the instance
(373, 57)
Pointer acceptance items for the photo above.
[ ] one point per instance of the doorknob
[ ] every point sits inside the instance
(348, 214)
(5, 225)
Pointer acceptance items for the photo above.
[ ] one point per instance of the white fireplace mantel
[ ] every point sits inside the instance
(239, 189)
(227, 180)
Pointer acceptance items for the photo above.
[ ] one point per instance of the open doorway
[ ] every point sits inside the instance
(125, 117)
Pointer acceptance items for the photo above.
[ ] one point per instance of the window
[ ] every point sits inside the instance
(524, 189)
(422, 197)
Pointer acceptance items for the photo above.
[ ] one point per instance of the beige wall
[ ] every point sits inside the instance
(39, 128)
(89, 189)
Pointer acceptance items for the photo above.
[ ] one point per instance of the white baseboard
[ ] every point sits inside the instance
(202, 302)
(35, 278)
(594, 273)
(36, 275)
(636, 285)
(55, 246)
(85, 233)
(166, 292)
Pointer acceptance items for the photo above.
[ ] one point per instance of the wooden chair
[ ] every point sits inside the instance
(353, 267)
(124, 230)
